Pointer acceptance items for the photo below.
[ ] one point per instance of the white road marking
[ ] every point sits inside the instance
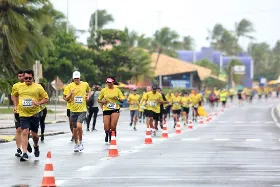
(59, 182)
(239, 122)
(190, 139)
(222, 121)
(221, 139)
(253, 140)
(85, 168)
(105, 158)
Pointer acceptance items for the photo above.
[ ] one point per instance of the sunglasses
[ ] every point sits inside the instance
(28, 78)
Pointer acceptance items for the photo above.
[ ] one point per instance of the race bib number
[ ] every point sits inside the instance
(78, 100)
(153, 103)
(112, 106)
(134, 105)
(27, 102)
(176, 104)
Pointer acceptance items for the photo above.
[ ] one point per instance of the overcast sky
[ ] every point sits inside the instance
(187, 17)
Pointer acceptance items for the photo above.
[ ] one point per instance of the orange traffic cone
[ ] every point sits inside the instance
(178, 128)
(113, 149)
(48, 178)
(164, 132)
(201, 120)
(148, 139)
(190, 124)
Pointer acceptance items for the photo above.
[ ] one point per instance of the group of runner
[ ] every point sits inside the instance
(154, 106)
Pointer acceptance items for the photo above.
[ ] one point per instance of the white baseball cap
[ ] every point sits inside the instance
(76, 75)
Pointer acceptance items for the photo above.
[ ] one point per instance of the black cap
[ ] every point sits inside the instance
(154, 87)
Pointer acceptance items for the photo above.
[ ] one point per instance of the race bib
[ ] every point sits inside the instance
(27, 102)
(142, 107)
(112, 106)
(153, 103)
(185, 104)
(176, 104)
(134, 105)
(78, 100)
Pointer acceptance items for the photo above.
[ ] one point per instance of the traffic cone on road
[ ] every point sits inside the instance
(113, 149)
(148, 139)
(190, 126)
(48, 178)
(178, 128)
(201, 120)
(164, 131)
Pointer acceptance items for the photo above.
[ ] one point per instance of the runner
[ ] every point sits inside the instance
(141, 109)
(196, 99)
(168, 98)
(93, 109)
(31, 95)
(163, 111)
(110, 98)
(223, 97)
(133, 101)
(186, 101)
(176, 107)
(43, 115)
(152, 100)
(68, 106)
(79, 92)
(16, 116)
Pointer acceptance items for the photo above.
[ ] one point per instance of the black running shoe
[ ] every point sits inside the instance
(130, 124)
(36, 151)
(42, 137)
(135, 128)
(72, 139)
(24, 157)
(29, 148)
(18, 153)
(106, 138)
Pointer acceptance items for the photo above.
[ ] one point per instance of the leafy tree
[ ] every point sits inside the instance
(207, 64)
(243, 29)
(144, 42)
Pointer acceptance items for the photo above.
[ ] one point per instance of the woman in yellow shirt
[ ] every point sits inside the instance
(110, 99)
(186, 102)
(176, 107)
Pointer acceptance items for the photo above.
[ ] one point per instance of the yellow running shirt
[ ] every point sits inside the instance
(176, 103)
(15, 89)
(27, 94)
(67, 92)
(108, 95)
(195, 99)
(152, 101)
(186, 101)
(133, 100)
(78, 98)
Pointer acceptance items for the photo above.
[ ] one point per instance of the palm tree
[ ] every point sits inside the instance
(243, 29)
(22, 36)
(188, 43)
(103, 19)
(132, 37)
(164, 39)
(144, 42)
(142, 65)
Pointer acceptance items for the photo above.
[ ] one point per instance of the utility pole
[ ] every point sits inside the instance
(67, 29)
(160, 76)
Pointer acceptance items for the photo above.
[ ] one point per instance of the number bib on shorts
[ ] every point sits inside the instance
(27, 102)
(112, 106)
(153, 103)
(78, 100)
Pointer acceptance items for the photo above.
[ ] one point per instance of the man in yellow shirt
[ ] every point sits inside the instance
(176, 107)
(79, 92)
(133, 101)
(168, 98)
(16, 117)
(68, 106)
(30, 96)
(196, 100)
(152, 100)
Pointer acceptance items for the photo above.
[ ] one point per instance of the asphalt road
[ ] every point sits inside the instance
(240, 147)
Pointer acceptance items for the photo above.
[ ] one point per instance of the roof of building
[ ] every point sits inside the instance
(170, 66)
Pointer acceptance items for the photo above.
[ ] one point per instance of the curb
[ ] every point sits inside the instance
(9, 138)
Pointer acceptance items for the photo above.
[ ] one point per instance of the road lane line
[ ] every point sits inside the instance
(253, 140)
(221, 139)
(85, 168)
(190, 139)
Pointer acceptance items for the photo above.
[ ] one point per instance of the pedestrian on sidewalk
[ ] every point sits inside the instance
(93, 107)
(43, 115)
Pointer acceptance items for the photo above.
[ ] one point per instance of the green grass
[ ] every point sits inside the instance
(10, 111)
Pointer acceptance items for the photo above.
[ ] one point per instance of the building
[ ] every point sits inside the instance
(175, 73)
(221, 61)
